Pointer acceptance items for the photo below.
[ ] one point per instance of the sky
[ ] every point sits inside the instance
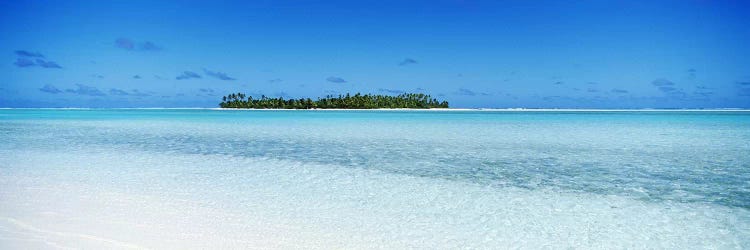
(488, 54)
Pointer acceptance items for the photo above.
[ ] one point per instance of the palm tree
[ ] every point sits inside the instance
(356, 101)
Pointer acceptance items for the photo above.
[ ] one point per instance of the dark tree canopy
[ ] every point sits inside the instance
(356, 101)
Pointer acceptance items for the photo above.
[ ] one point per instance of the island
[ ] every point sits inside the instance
(356, 101)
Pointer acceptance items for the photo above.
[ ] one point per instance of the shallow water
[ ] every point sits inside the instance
(373, 179)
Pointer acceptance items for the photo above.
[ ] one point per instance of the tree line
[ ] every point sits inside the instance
(356, 101)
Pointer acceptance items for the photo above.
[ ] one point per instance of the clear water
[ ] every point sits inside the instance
(373, 179)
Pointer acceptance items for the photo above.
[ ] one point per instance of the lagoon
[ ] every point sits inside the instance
(207, 178)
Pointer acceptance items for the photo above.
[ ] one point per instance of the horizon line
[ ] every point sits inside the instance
(408, 109)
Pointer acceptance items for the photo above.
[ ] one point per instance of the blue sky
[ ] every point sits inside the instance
(503, 54)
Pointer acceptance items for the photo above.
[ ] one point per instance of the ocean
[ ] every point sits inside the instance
(393, 179)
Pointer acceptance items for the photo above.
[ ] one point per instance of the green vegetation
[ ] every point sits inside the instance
(356, 101)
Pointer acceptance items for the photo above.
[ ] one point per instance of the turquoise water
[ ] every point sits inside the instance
(372, 179)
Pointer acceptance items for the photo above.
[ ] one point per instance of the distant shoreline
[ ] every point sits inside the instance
(504, 110)
(410, 109)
